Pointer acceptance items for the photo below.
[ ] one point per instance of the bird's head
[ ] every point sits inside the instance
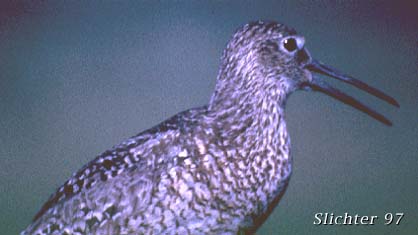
(268, 60)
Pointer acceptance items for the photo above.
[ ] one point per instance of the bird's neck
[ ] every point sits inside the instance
(247, 117)
(254, 123)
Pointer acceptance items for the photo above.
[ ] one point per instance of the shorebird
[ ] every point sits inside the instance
(216, 169)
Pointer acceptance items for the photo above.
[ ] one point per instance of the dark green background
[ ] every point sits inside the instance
(76, 79)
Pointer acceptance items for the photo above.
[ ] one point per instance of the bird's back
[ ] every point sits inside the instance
(124, 188)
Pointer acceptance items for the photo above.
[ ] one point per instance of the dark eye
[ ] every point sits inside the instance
(290, 44)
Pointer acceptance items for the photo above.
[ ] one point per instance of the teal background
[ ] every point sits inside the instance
(78, 78)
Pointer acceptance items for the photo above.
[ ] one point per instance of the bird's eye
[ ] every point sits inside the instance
(290, 44)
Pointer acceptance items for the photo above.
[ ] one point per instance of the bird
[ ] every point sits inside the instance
(220, 168)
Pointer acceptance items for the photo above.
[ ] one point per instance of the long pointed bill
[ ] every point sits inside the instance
(318, 85)
(316, 66)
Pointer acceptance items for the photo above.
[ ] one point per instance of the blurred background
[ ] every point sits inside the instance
(77, 78)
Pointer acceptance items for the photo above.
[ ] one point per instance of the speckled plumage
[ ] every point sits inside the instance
(217, 169)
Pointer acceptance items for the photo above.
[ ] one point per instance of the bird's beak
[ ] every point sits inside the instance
(317, 84)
